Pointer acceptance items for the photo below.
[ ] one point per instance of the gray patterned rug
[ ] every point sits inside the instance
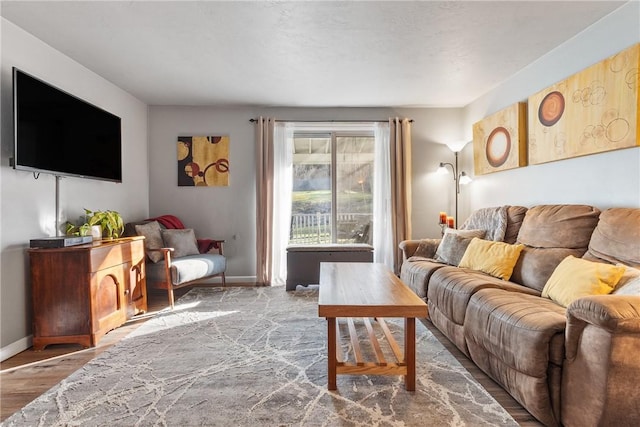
(254, 357)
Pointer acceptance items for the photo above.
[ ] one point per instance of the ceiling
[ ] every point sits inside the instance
(306, 53)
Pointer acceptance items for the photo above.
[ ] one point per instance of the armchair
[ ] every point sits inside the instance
(175, 258)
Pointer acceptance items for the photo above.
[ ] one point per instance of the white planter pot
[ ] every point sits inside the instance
(96, 232)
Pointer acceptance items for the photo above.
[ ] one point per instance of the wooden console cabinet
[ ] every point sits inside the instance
(80, 293)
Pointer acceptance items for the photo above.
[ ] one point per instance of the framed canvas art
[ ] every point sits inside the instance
(593, 111)
(499, 141)
(203, 161)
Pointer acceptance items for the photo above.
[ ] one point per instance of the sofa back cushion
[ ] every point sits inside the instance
(616, 239)
(550, 233)
(515, 216)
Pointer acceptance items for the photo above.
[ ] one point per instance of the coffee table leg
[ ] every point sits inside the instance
(410, 353)
(331, 356)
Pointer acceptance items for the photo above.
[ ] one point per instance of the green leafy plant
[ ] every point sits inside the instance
(78, 230)
(110, 222)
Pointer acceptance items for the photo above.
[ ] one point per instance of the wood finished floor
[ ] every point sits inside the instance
(27, 375)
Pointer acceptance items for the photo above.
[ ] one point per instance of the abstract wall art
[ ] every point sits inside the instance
(499, 141)
(593, 111)
(203, 161)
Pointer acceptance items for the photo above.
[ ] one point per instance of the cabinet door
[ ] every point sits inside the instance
(108, 302)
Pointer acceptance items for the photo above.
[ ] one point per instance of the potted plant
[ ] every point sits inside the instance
(110, 222)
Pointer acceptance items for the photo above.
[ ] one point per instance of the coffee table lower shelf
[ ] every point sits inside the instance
(403, 364)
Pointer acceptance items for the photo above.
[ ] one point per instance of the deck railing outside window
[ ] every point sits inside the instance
(315, 229)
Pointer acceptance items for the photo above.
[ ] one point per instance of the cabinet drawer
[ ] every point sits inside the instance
(108, 256)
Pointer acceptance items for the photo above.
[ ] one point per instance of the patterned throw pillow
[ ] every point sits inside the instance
(182, 241)
(452, 248)
(152, 239)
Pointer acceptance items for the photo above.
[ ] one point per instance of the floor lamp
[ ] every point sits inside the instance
(459, 178)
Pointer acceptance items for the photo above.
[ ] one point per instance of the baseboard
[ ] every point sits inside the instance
(240, 279)
(16, 347)
(233, 279)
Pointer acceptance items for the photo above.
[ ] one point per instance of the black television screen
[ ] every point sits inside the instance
(58, 133)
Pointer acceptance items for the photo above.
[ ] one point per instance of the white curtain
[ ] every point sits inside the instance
(383, 242)
(282, 190)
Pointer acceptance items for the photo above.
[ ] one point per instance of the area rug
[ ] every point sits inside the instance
(254, 357)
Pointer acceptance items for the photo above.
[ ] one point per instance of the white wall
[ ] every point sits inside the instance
(604, 180)
(229, 212)
(28, 205)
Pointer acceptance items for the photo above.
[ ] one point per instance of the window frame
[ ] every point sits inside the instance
(333, 136)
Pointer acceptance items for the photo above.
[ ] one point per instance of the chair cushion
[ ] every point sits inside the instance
(182, 241)
(188, 268)
(152, 239)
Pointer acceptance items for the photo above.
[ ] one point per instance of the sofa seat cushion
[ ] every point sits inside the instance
(451, 288)
(416, 272)
(525, 332)
(188, 268)
(518, 340)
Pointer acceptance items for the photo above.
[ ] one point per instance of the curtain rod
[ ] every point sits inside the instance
(331, 121)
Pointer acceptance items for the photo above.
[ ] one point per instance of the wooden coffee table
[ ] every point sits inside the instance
(368, 290)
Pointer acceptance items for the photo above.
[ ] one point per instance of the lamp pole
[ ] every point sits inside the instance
(456, 180)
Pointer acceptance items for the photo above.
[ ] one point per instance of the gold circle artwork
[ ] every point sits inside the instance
(498, 146)
(183, 150)
(551, 108)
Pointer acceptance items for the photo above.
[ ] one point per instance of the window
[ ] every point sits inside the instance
(332, 198)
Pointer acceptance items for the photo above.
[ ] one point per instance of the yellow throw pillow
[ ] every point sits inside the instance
(576, 277)
(494, 258)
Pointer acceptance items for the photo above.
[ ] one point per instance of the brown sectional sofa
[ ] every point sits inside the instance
(573, 366)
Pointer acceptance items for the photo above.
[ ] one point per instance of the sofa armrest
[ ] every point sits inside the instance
(612, 313)
(601, 371)
(409, 247)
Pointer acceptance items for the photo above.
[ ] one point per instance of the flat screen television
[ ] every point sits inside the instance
(58, 133)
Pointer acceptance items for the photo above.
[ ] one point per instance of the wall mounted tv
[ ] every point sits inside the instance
(60, 134)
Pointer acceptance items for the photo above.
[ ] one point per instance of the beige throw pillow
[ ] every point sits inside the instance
(182, 241)
(575, 277)
(494, 258)
(152, 239)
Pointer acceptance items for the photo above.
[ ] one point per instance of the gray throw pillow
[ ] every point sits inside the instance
(452, 248)
(152, 239)
(182, 241)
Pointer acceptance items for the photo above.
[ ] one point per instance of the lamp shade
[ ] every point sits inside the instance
(464, 178)
(442, 170)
